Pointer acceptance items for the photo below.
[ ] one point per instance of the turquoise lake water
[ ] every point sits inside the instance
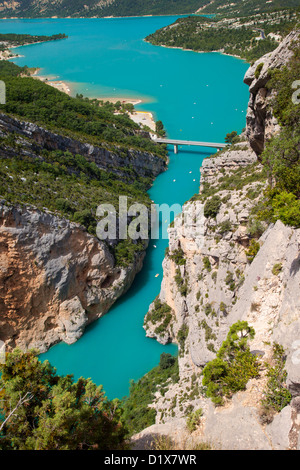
(197, 96)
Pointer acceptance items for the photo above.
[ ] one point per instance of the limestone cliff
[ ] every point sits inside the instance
(55, 278)
(261, 123)
(213, 278)
(32, 139)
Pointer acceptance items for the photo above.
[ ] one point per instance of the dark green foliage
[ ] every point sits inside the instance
(213, 33)
(161, 312)
(137, 414)
(159, 129)
(206, 263)
(178, 256)
(182, 284)
(281, 156)
(224, 227)
(277, 396)
(126, 250)
(230, 137)
(209, 335)
(182, 335)
(212, 206)
(166, 361)
(229, 280)
(258, 70)
(248, 7)
(21, 39)
(234, 365)
(57, 413)
(252, 250)
(84, 119)
(9, 69)
(223, 308)
(91, 8)
(194, 419)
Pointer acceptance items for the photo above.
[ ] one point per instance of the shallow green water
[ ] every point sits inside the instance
(198, 97)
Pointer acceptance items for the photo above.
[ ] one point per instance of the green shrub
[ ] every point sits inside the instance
(206, 263)
(231, 137)
(258, 70)
(234, 365)
(57, 413)
(252, 250)
(276, 394)
(277, 269)
(182, 335)
(212, 206)
(286, 207)
(178, 256)
(136, 412)
(159, 311)
(223, 308)
(194, 419)
(166, 361)
(225, 227)
(182, 284)
(255, 228)
(229, 281)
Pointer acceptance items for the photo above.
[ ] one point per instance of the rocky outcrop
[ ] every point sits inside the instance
(223, 287)
(55, 278)
(33, 138)
(212, 279)
(261, 123)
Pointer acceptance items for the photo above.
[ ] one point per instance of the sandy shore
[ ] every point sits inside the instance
(7, 55)
(143, 118)
(114, 99)
(58, 84)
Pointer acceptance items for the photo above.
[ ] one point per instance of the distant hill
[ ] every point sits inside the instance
(245, 36)
(101, 8)
(247, 7)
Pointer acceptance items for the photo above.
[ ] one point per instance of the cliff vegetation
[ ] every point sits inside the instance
(248, 37)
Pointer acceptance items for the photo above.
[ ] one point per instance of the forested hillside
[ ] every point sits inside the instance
(248, 37)
(91, 8)
(247, 7)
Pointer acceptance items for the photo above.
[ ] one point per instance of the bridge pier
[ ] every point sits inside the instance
(175, 149)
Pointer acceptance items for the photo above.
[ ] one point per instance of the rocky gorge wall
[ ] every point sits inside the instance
(33, 138)
(56, 278)
(212, 280)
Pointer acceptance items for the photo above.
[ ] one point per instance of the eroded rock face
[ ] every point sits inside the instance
(216, 283)
(261, 123)
(223, 287)
(55, 278)
(144, 164)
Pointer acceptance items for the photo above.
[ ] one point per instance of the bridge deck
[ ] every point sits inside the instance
(190, 142)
